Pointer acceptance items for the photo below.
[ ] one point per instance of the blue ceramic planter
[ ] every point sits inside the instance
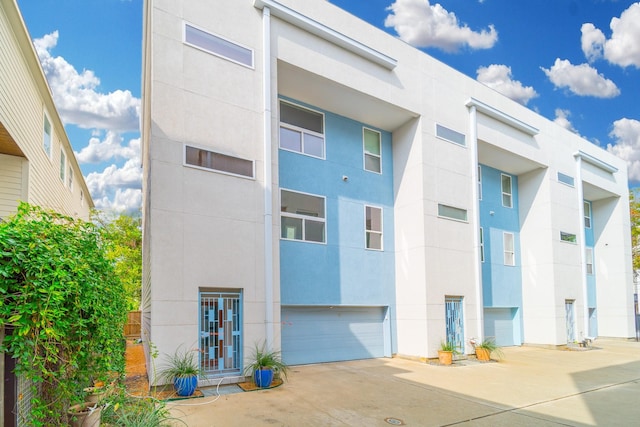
(263, 377)
(185, 386)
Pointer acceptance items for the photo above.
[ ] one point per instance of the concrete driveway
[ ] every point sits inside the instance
(530, 387)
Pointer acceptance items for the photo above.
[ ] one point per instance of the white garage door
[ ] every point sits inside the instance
(330, 334)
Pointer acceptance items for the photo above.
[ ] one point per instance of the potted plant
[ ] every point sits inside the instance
(85, 414)
(182, 369)
(264, 365)
(485, 348)
(446, 352)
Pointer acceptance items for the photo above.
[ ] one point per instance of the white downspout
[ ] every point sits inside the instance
(583, 248)
(473, 146)
(268, 190)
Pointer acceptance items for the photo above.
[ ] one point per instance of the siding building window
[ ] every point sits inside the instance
(588, 252)
(568, 237)
(301, 130)
(373, 227)
(587, 214)
(450, 135)
(481, 244)
(565, 179)
(450, 212)
(63, 166)
(302, 217)
(509, 249)
(46, 138)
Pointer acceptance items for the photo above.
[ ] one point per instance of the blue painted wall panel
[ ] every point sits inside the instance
(341, 271)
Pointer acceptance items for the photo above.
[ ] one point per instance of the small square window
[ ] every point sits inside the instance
(302, 217)
(301, 130)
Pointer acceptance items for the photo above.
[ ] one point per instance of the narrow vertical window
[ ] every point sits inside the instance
(507, 201)
(70, 178)
(588, 252)
(63, 166)
(81, 198)
(509, 249)
(481, 245)
(46, 138)
(479, 182)
(372, 150)
(373, 227)
(587, 214)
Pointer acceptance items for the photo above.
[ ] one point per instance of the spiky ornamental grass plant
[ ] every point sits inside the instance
(490, 345)
(263, 358)
(181, 364)
(62, 306)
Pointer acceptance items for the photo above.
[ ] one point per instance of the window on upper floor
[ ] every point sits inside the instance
(372, 150)
(587, 214)
(70, 178)
(302, 216)
(210, 160)
(46, 138)
(481, 244)
(479, 182)
(588, 254)
(568, 237)
(565, 179)
(509, 248)
(450, 212)
(81, 198)
(507, 196)
(301, 130)
(450, 135)
(217, 46)
(373, 227)
(63, 166)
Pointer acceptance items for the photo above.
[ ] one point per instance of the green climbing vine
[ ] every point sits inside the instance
(61, 306)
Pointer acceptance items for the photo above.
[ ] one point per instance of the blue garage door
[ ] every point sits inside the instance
(503, 324)
(330, 334)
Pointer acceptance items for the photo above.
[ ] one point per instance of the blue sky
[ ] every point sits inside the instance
(575, 62)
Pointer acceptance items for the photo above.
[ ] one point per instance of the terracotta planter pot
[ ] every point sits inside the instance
(483, 354)
(445, 357)
(85, 415)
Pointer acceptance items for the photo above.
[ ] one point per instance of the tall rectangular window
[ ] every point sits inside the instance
(481, 244)
(509, 249)
(302, 216)
(587, 214)
(507, 200)
(70, 178)
(46, 138)
(217, 46)
(373, 227)
(218, 162)
(479, 182)
(301, 130)
(63, 166)
(372, 150)
(588, 252)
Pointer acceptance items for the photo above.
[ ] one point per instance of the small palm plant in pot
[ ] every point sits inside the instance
(446, 352)
(182, 369)
(487, 347)
(264, 365)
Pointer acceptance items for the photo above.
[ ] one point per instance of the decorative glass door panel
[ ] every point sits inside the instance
(455, 322)
(220, 332)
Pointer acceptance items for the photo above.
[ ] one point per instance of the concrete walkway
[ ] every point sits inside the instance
(529, 387)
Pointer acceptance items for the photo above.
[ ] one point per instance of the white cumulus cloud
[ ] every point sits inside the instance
(424, 25)
(562, 119)
(623, 48)
(627, 146)
(117, 188)
(77, 97)
(110, 148)
(582, 79)
(499, 77)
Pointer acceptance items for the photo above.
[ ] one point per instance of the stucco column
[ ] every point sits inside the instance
(583, 246)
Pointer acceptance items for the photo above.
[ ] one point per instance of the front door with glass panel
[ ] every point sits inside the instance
(220, 332)
(571, 321)
(455, 322)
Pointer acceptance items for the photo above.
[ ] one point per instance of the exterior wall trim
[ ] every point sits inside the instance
(595, 162)
(487, 110)
(314, 27)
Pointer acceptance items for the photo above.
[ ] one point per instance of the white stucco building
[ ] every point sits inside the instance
(315, 183)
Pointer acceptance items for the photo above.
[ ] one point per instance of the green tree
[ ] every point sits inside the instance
(62, 306)
(634, 204)
(124, 236)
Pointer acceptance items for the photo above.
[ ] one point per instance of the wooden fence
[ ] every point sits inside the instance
(133, 327)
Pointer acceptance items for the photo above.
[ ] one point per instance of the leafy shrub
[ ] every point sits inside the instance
(62, 308)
